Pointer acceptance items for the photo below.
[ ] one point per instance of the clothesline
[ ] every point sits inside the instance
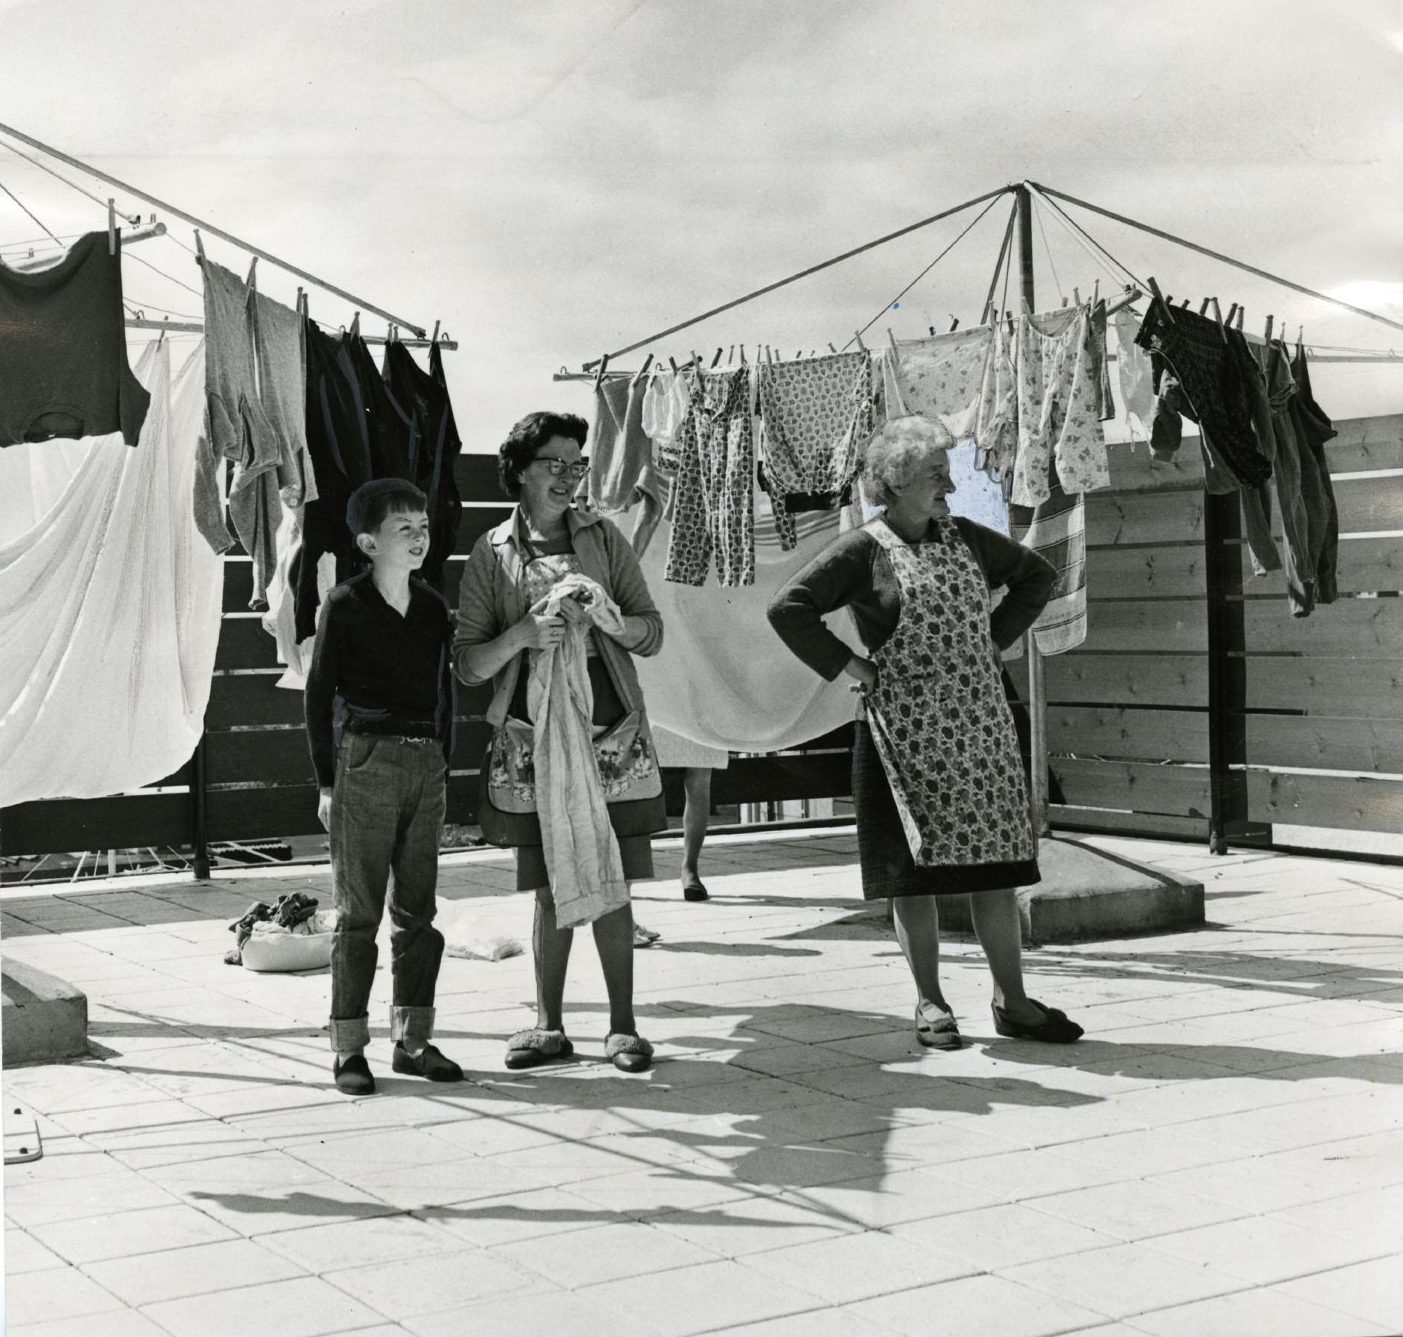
(213, 230)
(197, 327)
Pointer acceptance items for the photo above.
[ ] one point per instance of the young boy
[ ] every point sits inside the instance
(382, 670)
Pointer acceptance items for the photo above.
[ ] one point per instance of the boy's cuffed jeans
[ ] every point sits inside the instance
(387, 808)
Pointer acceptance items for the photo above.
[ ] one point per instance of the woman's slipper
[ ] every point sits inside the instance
(694, 889)
(1055, 1027)
(530, 1048)
(628, 1053)
(936, 1029)
(644, 937)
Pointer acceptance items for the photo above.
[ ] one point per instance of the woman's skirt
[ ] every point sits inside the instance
(884, 855)
(633, 820)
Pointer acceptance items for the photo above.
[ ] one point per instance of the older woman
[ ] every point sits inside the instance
(938, 783)
(514, 623)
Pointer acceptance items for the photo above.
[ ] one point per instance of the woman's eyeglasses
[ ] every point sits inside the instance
(557, 468)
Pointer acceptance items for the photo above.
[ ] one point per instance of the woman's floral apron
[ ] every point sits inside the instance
(938, 714)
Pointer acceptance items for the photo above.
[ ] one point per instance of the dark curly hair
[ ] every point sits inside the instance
(526, 438)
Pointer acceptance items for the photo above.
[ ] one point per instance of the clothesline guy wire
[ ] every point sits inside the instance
(26, 209)
(133, 219)
(927, 269)
(1047, 251)
(1086, 239)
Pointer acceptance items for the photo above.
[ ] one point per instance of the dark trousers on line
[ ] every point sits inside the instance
(387, 807)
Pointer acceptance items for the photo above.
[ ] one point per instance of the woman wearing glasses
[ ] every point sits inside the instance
(512, 614)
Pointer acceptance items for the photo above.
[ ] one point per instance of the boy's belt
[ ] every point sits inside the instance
(410, 731)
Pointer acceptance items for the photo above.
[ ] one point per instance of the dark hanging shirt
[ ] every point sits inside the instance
(63, 350)
(377, 671)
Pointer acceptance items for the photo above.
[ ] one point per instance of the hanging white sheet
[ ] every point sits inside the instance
(723, 677)
(109, 604)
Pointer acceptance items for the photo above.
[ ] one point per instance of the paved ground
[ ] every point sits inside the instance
(1223, 1154)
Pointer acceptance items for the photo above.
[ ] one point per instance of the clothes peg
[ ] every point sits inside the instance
(742, 355)
(1064, 303)
(1185, 304)
(355, 324)
(831, 349)
(696, 362)
(1076, 296)
(1096, 292)
(1160, 298)
(252, 271)
(717, 358)
(647, 362)
(931, 330)
(199, 247)
(954, 324)
(301, 301)
(730, 355)
(161, 338)
(1218, 316)
(673, 364)
(1300, 335)
(1203, 307)
(858, 336)
(1232, 311)
(1241, 311)
(434, 338)
(600, 370)
(1266, 335)
(111, 227)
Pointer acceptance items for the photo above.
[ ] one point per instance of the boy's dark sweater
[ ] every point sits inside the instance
(392, 674)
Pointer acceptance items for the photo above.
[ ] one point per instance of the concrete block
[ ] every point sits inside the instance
(1087, 894)
(42, 1018)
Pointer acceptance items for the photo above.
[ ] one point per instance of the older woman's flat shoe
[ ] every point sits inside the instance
(1055, 1028)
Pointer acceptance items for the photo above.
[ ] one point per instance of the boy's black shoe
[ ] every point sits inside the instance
(353, 1076)
(430, 1063)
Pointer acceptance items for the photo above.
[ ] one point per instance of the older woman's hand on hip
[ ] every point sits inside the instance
(864, 670)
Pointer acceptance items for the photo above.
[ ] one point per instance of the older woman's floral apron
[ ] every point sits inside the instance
(938, 714)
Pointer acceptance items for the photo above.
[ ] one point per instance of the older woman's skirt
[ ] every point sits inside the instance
(884, 855)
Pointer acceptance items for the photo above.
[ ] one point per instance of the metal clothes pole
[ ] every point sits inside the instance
(1037, 681)
(199, 781)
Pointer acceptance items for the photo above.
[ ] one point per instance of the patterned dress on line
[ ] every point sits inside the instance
(713, 502)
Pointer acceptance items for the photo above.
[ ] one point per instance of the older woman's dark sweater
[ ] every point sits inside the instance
(854, 572)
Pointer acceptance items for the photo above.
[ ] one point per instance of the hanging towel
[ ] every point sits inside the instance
(713, 501)
(708, 683)
(1314, 429)
(1060, 437)
(578, 842)
(63, 350)
(816, 416)
(109, 612)
(1056, 530)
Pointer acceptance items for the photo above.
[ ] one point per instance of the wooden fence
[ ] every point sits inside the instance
(1197, 702)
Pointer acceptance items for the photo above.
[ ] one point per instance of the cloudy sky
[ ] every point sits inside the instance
(556, 178)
